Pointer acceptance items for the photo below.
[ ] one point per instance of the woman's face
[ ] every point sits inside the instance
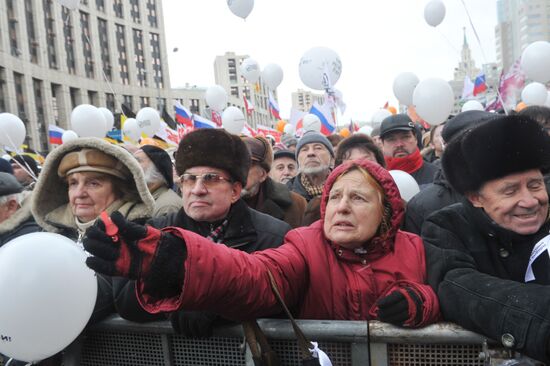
(89, 194)
(354, 211)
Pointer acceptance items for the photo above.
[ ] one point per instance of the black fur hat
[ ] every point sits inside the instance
(493, 149)
(215, 148)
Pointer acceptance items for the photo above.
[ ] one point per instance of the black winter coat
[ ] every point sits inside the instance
(435, 196)
(247, 230)
(425, 175)
(295, 185)
(478, 270)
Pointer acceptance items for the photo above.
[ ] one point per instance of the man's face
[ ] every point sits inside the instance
(143, 160)
(209, 200)
(283, 169)
(256, 176)
(20, 174)
(399, 144)
(7, 209)
(517, 202)
(314, 158)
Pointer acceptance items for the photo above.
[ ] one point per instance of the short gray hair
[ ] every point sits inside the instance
(18, 197)
(153, 175)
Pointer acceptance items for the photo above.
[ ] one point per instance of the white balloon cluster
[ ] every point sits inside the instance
(131, 129)
(272, 75)
(535, 61)
(148, 120)
(403, 87)
(250, 69)
(379, 116)
(534, 94)
(311, 122)
(407, 185)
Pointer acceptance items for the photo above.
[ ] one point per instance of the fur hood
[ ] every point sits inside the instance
(50, 200)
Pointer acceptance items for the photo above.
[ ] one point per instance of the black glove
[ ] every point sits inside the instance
(194, 324)
(394, 308)
(123, 248)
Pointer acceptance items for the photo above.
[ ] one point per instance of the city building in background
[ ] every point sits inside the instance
(302, 100)
(520, 23)
(191, 97)
(252, 99)
(105, 53)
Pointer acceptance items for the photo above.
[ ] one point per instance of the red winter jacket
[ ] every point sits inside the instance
(317, 279)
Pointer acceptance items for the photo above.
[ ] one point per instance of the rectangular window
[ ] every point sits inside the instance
(93, 98)
(122, 54)
(152, 13)
(195, 106)
(117, 7)
(40, 117)
(110, 102)
(12, 28)
(232, 70)
(104, 47)
(56, 90)
(31, 33)
(155, 58)
(134, 11)
(66, 14)
(18, 80)
(139, 57)
(75, 97)
(129, 101)
(143, 102)
(86, 46)
(161, 102)
(3, 102)
(235, 91)
(100, 5)
(49, 24)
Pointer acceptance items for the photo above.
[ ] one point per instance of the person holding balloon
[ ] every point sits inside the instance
(81, 179)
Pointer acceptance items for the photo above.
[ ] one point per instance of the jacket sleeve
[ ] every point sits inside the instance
(233, 283)
(483, 303)
(126, 302)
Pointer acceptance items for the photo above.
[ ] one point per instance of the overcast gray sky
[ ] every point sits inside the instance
(376, 40)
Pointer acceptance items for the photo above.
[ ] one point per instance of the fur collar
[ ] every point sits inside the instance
(50, 197)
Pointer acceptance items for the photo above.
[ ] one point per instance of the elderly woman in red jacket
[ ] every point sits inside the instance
(353, 264)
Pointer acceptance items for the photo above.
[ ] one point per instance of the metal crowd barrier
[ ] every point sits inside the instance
(117, 342)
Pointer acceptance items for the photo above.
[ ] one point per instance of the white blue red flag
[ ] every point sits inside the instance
(201, 122)
(183, 116)
(274, 107)
(55, 134)
(325, 115)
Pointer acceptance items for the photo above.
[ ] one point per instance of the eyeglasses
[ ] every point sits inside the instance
(208, 180)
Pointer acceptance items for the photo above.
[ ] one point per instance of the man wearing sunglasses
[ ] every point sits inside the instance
(213, 167)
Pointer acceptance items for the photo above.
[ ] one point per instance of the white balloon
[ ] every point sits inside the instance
(289, 129)
(272, 75)
(131, 129)
(406, 184)
(250, 69)
(403, 87)
(311, 122)
(6, 157)
(365, 130)
(320, 68)
(434, 12)
(88, 121)
(109, 118)
(233, 120)
(12, 131)
(71, 4)
(547, 104)
(46, 305)
(148, 120)
(379, 116)
(68, 135)
(472, 105)
(241, 8)
(535, 61)
(534, 94)
(433, 99)
(216, 97)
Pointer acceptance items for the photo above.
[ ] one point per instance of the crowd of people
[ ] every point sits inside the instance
(204, 235)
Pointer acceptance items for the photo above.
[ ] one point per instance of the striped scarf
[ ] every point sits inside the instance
(312, 190)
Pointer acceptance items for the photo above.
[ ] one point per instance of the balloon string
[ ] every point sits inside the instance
(475, 31)
(448, 42)
(26, 168)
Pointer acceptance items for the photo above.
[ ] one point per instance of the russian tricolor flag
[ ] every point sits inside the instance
(55, 134)
(183, 116)
(479, 84)
(201, 122)
(274, 106)
(324, 114)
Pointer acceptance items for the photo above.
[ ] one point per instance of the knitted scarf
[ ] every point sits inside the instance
(312, 190)
(410, 163)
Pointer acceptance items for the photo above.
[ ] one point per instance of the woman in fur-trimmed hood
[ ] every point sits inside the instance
(83, 177)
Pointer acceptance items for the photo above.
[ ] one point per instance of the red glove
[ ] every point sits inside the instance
(123, 248)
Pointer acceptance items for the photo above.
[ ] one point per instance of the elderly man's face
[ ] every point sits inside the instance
(314, 158)
(90, 193)
(208, 198)
(517, 202)
(143, 160)
(283, 169)
(8, 208)
(354, 211)
(256, 176)
(399, 144)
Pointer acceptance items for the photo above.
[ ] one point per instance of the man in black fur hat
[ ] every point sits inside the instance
(487, 256)
(213, 167)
